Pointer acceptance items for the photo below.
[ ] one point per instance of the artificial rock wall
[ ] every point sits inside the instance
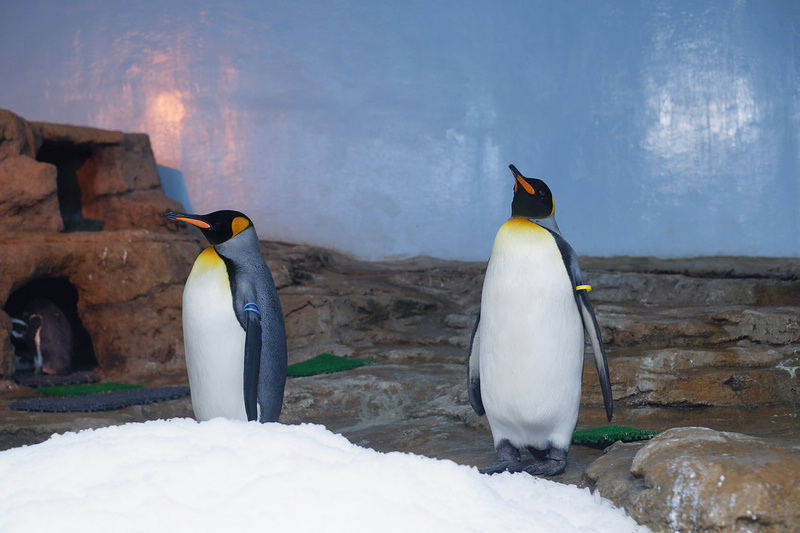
(80, 224)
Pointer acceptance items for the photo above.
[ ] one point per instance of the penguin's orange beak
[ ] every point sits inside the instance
(189, 219)
(194, 222)
(521, 181)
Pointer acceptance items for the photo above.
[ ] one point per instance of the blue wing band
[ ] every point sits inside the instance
(252, 306)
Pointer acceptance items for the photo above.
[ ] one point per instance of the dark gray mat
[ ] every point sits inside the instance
(105, 401)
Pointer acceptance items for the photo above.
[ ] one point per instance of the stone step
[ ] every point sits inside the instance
(625, 326)
(683, 377)
(678, 290)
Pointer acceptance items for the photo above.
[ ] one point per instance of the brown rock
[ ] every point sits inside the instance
(70, 134)
(128, 278)
(28, 199)
(104, 176)
(85, 179)
(658, 355)
(6, 361)
(673, 289)
(698, 479)
(769, 325)
(682, 377)
(129, 285)
(17, 137)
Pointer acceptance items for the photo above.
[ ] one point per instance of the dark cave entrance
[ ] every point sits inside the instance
(76, 169)
(63, 294)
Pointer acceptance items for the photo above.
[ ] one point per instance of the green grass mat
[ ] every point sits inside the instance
(83, 390)
(607, 435)
(324, 363)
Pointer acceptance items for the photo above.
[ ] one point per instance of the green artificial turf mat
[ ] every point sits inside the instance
(82, 390)
(324, 363)
(607, 435)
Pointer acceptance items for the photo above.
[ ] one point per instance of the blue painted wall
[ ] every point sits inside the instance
(384, 129)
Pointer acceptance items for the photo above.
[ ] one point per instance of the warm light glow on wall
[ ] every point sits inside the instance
(169, 106)
(163, 120)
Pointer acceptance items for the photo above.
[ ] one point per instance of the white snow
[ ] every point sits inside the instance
(223, 475)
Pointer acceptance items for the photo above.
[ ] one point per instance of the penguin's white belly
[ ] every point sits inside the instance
(531, 340)
(214, 342)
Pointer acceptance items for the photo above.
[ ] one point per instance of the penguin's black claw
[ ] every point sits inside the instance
(550, 467)
(508, 460)
(502, 466)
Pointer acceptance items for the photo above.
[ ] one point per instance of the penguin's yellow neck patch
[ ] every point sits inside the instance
(521, 224)
(519, 230)
(239, 224)
(209, 265)
(208, 258)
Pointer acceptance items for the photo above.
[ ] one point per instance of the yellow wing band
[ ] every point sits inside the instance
(587, 288)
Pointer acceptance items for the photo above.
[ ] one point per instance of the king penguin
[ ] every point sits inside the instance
(526, 351)
(233, 327)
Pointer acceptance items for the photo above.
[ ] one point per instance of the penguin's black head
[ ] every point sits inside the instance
(218, 226)
(532, 197)
(34, 321)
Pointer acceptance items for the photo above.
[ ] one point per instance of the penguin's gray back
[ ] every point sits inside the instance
(252, 282)
(530, 340)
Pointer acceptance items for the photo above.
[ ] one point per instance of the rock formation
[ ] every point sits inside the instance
(79, 224)
(698, 479)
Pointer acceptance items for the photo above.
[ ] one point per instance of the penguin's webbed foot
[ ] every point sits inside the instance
(549, 463)
(508, 460)
(550, 467)
(502, 466)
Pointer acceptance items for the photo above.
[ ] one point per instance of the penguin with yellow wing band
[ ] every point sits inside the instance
(526, 352)
(233, 325)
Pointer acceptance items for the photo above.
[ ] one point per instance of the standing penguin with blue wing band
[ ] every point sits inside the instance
(233, 325)
(526, 351)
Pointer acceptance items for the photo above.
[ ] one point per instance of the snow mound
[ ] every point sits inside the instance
(222, 475)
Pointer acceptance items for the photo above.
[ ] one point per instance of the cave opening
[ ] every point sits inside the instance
(76, 169)
(35, 306)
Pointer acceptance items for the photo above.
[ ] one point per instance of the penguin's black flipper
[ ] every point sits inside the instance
(589, 319)
(252, 362)
(272, 380)
(473, 370)
(593, 331)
